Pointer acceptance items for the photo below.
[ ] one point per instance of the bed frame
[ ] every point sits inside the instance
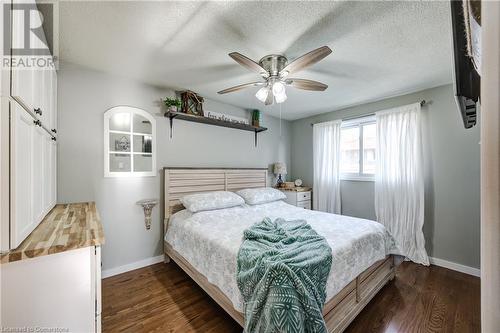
(339, 312)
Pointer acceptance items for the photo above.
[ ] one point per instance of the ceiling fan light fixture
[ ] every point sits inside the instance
(281, 97)
(278, 88)
(262, 94)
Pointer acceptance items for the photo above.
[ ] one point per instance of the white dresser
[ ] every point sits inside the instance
(300, 197)
(53, 279)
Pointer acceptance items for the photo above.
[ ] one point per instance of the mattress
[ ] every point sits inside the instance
(210, 241)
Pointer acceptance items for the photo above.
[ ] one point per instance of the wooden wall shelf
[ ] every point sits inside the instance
(204, 120)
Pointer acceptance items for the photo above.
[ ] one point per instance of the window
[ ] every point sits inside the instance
(357, 149)
(129, 142)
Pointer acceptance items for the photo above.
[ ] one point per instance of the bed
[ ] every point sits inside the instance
(205, 244)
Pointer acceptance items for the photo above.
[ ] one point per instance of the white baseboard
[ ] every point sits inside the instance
(456, 267)
(154, 260)
(130, 267)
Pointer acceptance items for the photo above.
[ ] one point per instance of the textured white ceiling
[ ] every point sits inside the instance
(380, 49)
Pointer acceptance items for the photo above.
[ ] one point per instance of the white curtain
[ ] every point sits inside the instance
(399, 180)
(326, 155)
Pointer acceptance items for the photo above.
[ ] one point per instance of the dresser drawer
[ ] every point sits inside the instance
(304, 204)
(303, 196)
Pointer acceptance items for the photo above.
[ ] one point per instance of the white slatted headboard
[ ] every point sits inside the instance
(182, 181)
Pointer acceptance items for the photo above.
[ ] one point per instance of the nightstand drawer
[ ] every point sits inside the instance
(304, 204)
(298, 198)
(304, 196)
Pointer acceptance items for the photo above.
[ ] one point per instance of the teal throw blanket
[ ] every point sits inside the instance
(282, 271)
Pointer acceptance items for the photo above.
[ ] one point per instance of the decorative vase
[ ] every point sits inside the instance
(256, 118)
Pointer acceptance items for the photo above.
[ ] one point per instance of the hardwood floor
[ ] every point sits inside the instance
(162, 298)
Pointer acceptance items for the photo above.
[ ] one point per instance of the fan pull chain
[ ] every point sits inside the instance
(280, 119)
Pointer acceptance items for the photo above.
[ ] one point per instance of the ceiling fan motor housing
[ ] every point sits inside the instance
(273, 63)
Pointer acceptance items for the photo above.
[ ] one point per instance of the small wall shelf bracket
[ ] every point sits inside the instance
(147, 206)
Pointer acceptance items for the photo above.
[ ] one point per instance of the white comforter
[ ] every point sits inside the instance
(210, 241)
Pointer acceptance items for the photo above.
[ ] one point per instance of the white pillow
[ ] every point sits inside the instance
(257, 196)
(211, 201)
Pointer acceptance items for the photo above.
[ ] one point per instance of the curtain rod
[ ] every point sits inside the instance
(422, 103)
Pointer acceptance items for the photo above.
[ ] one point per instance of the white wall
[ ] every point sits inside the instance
(83, 96)
(452, 199)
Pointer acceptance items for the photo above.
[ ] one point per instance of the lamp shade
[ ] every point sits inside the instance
(279, 168)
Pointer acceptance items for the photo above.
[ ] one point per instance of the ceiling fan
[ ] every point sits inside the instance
(275, 69)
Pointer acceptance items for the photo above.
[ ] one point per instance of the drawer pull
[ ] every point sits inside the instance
(303, 196)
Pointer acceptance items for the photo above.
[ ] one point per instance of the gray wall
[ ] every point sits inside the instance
(83, 96)
(452, 167)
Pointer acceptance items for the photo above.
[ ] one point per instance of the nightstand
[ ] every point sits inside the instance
(298, 196)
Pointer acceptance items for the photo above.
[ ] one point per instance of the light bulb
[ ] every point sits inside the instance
(278, 88)
(262, 94)
(280, 98)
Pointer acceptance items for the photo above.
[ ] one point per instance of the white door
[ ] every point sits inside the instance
(47, 174)
(29, 83)
(53, 92)
(22, 139)
(44, 95)
(23, 86)
(38, 172)
(53, 175)
(490, 167)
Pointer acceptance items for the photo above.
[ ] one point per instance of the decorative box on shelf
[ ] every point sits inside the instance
(298, 196)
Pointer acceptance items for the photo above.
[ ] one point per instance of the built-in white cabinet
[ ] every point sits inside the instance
(53, 102)
(33, 173)
(32, 100)
(23, 80)
(22, 162)
(39, 156)
(30, 83)
(36, 91)
(52, 175)
(34, 88)
(49, 173)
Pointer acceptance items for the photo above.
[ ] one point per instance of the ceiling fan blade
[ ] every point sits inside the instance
(241, 86)
(248, 63)
(307, 59)
(306, 84)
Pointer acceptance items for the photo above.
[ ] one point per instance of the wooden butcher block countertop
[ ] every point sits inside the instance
(66, 227)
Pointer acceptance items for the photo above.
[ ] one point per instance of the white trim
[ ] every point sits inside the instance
(130, 267)
(456, 267)
(357, 177)
(326, 123)
(362, 120)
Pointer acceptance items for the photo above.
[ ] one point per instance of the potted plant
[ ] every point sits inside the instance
(172, 104)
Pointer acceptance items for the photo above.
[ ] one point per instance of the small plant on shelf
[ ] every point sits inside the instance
(172, 104)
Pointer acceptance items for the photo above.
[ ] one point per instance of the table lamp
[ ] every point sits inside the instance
(279, 169)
